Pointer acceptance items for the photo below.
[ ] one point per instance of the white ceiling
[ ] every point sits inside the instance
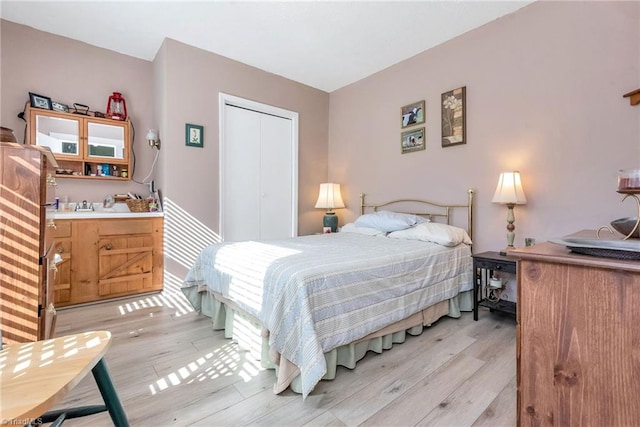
(326, 45)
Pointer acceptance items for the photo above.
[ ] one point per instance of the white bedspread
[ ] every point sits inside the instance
(315, 293)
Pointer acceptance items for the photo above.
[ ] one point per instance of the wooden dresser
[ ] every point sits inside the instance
(578, 338)
(27, 192)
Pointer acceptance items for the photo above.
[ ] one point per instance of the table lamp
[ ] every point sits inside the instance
(509, 192)
(330, 198)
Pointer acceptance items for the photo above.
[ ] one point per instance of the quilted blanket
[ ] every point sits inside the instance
(315, 293)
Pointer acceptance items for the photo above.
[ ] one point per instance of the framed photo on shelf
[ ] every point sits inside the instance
(58, 106)
(454, 117)
(194, 135)
(412, 114)
(40, 101)
(412, 140)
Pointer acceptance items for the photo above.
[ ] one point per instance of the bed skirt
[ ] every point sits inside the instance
(251, 336)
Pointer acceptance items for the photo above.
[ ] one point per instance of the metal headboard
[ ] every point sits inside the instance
(434, 210)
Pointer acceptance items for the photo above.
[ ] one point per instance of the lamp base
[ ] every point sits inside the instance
(330, 220)
(506, 250)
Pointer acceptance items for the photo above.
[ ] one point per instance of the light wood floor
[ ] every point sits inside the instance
(171, 369)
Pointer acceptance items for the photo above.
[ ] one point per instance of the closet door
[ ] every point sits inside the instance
(276, 165)
(258, 176)
(241, 175)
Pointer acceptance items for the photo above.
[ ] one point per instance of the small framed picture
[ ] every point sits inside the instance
(39, 101)
(412, 140)
(194, 135)
(412, 114)
(58, 106)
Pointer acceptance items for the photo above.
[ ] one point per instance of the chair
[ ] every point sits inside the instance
(34, 376)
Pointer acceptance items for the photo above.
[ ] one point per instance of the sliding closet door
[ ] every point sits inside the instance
(258, 175)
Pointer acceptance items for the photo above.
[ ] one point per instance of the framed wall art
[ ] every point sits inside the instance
(194, 135)
(454, 117)
(412, 114)
(39, 101)
(412, 140)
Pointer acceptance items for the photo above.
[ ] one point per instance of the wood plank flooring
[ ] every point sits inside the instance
(171, 369)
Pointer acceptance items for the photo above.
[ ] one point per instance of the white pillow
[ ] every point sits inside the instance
(351, 228)
(388, 221)
(442, 234)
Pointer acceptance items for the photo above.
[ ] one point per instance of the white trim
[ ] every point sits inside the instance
(226, 99)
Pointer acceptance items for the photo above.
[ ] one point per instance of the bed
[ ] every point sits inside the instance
(308, 304)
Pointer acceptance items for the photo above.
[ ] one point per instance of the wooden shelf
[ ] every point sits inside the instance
(634, 97)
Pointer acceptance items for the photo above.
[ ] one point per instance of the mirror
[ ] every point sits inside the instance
(60, 135)
(105, 141)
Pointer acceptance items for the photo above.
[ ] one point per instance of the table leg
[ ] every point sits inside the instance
(109, 394)
(475, 293)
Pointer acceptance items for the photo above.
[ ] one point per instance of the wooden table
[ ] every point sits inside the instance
(35, 376)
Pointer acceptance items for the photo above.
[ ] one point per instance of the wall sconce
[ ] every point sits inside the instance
(152, 137)
(509, 192)
(330, 198)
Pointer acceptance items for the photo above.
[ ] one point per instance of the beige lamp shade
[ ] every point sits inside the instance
(509, 190)
(329, 196)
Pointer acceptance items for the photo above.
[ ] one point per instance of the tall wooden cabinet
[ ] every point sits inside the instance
(578, 338)
(27, 190)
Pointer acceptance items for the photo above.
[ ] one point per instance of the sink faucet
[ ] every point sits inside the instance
(84, 206)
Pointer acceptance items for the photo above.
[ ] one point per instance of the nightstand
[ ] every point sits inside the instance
(484, 264)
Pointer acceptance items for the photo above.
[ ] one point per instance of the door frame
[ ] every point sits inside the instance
(235, 101)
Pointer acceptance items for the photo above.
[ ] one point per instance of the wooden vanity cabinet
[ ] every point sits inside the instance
(109, 258)
(27, 191)
(82, 144)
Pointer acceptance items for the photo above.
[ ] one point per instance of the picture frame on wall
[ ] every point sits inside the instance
(454, 117)
(412, 140)
(40, 101)
(194, 135)
(412, 114)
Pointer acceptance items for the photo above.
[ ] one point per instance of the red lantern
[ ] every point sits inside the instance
(116, 107)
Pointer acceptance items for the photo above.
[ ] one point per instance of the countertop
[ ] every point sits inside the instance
(119, 210)
(102, 214)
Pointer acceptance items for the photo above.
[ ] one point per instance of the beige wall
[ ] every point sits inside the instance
(544, 96)
(180, 86)
(544, 90)
(68, 71)
(192, 79)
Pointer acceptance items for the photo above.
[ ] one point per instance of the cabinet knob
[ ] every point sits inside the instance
(60, 249)
(52, 224)
(108, 246)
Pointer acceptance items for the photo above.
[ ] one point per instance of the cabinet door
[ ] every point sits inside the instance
(61, 133)
(106, 141)
(126, 264)
(62, 258)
